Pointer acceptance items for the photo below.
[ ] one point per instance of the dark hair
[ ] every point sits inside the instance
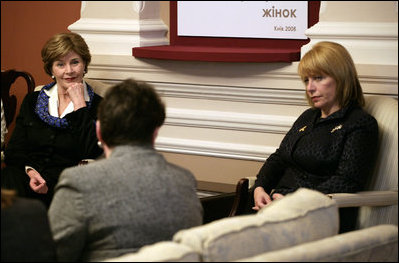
(129, 113)
(60, 45)
(332, 59)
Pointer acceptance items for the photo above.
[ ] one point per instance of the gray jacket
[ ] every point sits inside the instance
(117, 205)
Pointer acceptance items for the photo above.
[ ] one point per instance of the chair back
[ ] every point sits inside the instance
(385, 174)
(8, 77)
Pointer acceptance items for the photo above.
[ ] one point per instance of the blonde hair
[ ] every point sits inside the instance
(332, 59)
(60, 45)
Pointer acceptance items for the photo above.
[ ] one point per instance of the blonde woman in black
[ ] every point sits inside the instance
(331, 146)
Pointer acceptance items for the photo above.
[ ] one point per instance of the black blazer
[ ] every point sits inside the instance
(331, 155)
(48, 149)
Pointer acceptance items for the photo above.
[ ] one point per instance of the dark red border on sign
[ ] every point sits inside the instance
(225, 49)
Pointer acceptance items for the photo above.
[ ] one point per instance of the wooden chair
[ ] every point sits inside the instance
(8, 78)
(378, 204)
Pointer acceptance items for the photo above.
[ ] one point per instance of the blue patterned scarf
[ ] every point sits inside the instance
(42, 108)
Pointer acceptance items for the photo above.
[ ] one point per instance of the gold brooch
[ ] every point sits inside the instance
(336, 128)
(302, 129)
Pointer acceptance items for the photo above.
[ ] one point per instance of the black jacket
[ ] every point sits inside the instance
(331, 155)
(48, 149)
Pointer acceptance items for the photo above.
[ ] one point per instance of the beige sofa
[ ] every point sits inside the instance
(303, 226)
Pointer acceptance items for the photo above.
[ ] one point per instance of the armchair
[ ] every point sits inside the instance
(8, 77)
(9, 102)
(378, 204)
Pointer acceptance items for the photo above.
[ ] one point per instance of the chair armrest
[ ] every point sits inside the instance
(242, 197)
(251, 181)
(366, 198)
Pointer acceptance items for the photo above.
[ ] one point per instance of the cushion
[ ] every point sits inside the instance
(99, 87)
(374, 244)
(303, 216)
(385, 175)
(164, 251)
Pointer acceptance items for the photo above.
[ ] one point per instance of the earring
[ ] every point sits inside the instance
(52, 76)
(100, 144)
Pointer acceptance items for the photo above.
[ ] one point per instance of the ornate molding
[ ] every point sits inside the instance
(119, 36)
(369, 43)
(228, 93)
(229, 120)
(252, 82)
(214, 149)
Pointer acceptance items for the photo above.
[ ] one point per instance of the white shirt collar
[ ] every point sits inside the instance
(53, 101)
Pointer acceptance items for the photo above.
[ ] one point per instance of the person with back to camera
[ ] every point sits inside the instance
(25, 230)
(55, 127)
(331, 146)
(133, 197)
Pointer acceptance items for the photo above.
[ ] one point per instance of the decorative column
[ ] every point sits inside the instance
(368, 29)
(115, 27)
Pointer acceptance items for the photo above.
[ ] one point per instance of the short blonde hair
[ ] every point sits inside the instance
(332, 59)
(60, 45)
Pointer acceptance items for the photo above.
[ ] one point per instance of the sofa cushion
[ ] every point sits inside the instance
(164, 251)
(99, 87)
(303, 216)
(374, 244)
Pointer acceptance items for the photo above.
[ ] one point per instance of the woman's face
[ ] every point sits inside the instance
(322, 92)
(68, 69)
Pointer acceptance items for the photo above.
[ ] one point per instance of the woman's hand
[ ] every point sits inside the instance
(75, 92)
(37, 183)
(261, 198)
(277, 196)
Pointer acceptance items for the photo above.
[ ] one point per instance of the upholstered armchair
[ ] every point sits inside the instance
(378, 204)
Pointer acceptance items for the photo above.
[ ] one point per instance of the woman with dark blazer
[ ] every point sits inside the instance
(332, 146)
(55, 127)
